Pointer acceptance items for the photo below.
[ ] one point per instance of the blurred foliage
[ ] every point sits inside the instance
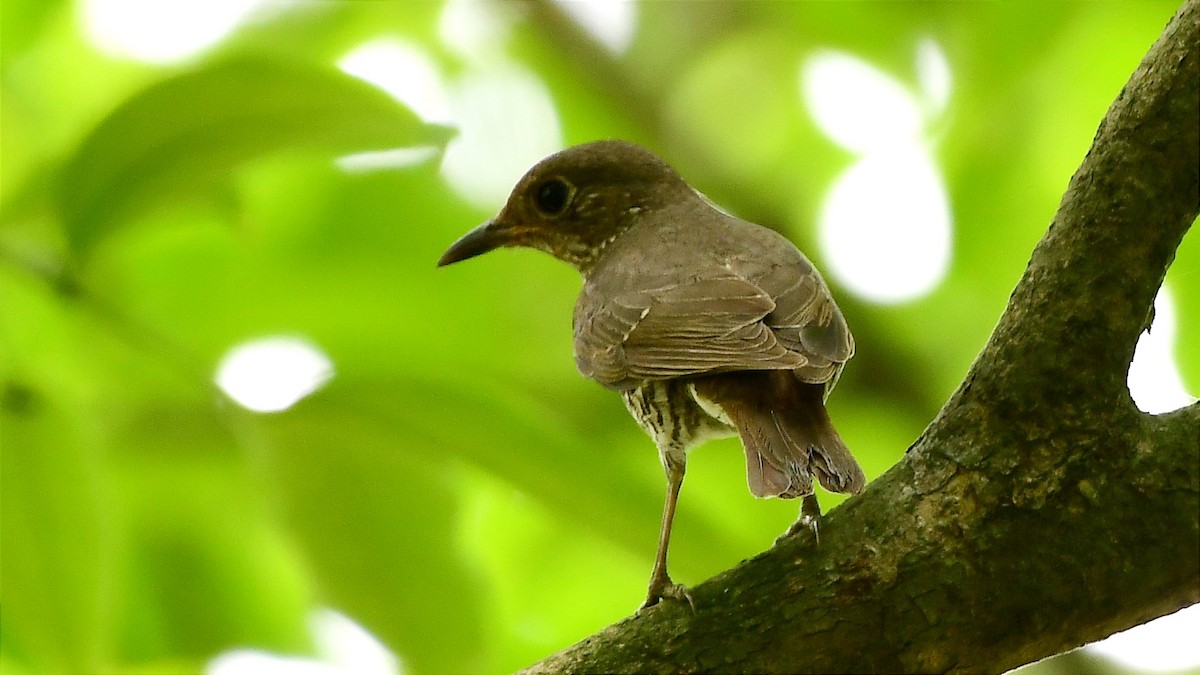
(457, 488)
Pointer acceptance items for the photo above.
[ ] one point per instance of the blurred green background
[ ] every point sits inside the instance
(455, 487)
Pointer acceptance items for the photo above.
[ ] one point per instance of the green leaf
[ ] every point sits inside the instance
(179, 139)
(22, 25)
(208, 567)
(56, 554)
(378, 523)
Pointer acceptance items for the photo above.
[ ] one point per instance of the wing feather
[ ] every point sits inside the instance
(704, 325)
(807, 320)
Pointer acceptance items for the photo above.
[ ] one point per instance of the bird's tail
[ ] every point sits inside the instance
(786, 432)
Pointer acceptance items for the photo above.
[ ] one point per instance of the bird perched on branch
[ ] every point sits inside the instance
(706, 324)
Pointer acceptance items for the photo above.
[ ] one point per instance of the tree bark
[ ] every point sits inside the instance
(1040, 510)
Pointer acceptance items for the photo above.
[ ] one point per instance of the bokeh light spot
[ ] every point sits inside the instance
(505, 117)
(612, 22)
(933, 73)
(272, 374)
(162, 32)
(410, 75)
(403, 70)
(885, 226)
(856, 105)
(379, 160)
(476, 31)
(343, 648)
(506, 122)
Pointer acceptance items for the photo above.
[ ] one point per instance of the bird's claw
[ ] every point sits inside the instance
(664, 588)
(804, 522)
(810, 519)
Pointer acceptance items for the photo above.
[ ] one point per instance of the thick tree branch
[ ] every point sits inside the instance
(1040, 510)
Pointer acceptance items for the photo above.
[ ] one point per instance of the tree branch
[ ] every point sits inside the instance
(1040, 510)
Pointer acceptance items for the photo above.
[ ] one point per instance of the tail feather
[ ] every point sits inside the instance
(765, 445)
(809, 430)
(786, 432)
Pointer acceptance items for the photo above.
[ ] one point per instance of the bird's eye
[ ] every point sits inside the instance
(552, 196)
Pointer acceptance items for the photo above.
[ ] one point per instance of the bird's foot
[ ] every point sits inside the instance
(810, 520)
(803, 523)
(661, 587)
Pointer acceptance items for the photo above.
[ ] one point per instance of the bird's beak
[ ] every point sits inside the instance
(488, 236)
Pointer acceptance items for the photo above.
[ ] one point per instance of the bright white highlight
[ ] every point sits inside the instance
(1154, 380)
(379, 160)
(476, 31)
(506, 122)
(406, 72)
(343, 648)
(858, 106)
(885, 227)
(933, 73)
(504, 116)
(272, 374)
(409, 74)
(612, 22)
(162, 32)
(1165, 644)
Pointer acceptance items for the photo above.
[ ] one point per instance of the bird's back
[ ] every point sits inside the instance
(693, 258)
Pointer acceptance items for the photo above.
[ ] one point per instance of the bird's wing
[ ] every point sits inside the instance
(806, 320)
(704, 325)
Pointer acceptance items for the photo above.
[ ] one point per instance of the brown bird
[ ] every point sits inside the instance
(707, 324)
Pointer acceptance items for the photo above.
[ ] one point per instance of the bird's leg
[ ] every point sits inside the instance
(810, 518)
(661, 585)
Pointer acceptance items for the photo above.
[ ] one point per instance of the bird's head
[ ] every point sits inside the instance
(574, 203)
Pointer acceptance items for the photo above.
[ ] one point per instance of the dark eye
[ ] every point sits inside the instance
(552, 196)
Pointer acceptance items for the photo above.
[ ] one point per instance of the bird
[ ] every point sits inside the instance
(706, 324)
